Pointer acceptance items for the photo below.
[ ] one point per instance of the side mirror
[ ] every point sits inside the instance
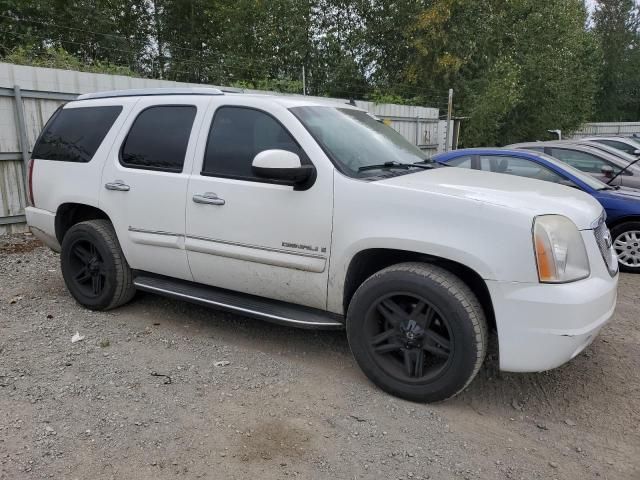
(282, 166)
(607, 171)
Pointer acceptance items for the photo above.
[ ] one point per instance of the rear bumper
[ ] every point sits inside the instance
(43, 225)
(543, 326)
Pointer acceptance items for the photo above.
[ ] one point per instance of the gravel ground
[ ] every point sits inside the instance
(164, 389)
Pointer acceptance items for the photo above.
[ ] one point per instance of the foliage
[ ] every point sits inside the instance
(59, 58)
(282, 86)
(513, 83)
(517, 67)
(616, 25)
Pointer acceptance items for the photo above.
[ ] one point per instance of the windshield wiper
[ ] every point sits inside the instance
(382, 166)
(430, 163)
(623, 170)
(424, 165)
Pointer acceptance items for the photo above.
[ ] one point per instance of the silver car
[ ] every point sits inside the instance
(624, 144)
(612, 167)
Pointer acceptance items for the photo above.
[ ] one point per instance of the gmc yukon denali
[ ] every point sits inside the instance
(316, 215)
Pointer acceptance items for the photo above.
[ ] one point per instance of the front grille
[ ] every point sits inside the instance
(605, 244)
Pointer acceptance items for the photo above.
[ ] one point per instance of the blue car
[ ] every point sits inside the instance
(621, 204)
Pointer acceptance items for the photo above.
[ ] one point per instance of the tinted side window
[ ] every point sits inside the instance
(582, 160)
(158, 138)
(237, 135)
(521, 167)
(74, 134)
(462, 162)
(619, 145)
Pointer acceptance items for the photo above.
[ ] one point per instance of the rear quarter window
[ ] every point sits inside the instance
(74, 134)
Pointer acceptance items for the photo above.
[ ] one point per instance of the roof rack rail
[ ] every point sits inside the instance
(145, 92)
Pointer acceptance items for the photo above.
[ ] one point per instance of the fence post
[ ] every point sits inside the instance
(304, 82)
(22, 131)
(449, 113)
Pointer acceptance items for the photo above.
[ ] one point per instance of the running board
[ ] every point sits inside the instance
(249, 305)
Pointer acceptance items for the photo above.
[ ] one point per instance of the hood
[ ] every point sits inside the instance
(620, 202)
(622, 193)
(536, 197)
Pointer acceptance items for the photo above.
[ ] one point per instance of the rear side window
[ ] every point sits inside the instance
(237, 135)
(158, 138)
(74, 134)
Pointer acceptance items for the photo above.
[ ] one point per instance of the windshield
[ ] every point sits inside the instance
(354, 140)
(583, 177)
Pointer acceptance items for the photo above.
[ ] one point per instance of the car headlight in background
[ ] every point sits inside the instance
(560, 252)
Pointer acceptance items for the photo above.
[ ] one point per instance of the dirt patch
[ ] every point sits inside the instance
(18, 243)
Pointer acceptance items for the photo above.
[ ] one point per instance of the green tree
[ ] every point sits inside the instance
(518, 68)
(616, 27)
(93, 31)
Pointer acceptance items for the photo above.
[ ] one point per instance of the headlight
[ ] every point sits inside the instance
(560, 252)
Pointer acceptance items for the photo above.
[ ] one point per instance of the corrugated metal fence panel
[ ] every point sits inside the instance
(36, 113)
(12, 194)
(603, 129)
(70, 81)
(419, 125)
(8, 131)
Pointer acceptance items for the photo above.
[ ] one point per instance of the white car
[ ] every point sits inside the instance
(314, 214)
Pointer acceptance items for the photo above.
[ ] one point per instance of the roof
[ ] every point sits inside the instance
(483, 151)
(611, 137)
(144, 92)
(286, 101)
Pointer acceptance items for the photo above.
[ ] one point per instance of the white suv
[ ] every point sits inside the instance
(315, 214)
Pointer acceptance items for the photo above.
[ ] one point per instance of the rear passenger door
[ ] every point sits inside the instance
(144, 181)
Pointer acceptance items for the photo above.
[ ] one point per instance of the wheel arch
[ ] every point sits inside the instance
(367, 262)
(68, 214)
(621, 220)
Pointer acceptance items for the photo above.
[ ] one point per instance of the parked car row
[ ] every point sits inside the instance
(607, 168)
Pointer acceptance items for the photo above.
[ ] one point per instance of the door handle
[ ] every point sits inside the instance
(118, 186)
(208, 198)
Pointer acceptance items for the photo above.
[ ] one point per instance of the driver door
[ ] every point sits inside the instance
(252, 235)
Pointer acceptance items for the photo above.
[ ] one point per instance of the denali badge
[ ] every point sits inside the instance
(299, 246)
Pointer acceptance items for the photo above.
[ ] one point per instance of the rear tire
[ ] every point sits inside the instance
(626, 242)
(417, 331)
(94, 268)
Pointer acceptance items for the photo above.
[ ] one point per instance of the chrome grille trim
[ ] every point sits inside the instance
(605, 245)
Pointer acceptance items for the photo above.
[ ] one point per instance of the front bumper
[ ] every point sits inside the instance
(542, 326)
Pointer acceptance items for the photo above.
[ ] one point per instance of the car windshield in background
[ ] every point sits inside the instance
(580, 175)
(357, 142)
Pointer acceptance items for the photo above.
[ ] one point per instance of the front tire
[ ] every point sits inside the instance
(94, 268)
(417, 331)
(626, 242)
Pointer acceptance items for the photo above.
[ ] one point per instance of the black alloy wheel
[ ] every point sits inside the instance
(94, 267)
(417, 331)
(408, 337)
(87, 268)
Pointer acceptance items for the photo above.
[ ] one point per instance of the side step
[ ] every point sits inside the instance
(250, 305)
